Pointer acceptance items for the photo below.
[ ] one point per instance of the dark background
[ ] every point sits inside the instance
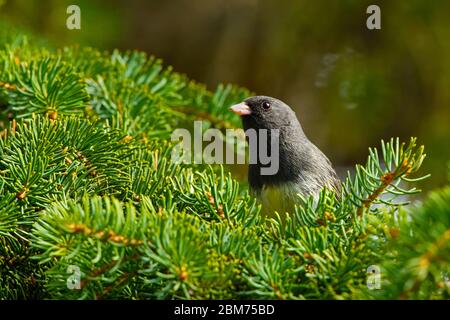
(350, 86)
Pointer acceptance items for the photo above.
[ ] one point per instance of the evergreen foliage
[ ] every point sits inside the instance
(86, 180)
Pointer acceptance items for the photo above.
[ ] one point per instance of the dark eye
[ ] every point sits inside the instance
(266, 105)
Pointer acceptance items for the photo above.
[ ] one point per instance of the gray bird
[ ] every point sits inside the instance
(302, 167)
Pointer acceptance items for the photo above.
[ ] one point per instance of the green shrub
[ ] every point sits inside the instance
(86, 182)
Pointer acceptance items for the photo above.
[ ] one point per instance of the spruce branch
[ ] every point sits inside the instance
(100, 223)
(417, 264)
(216, 197)
(329, 234)
(86, 180)
(48, 87)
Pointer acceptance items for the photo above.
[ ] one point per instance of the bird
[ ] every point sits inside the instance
(302, 167)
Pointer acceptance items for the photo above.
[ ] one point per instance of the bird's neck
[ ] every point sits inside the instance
(290, 152)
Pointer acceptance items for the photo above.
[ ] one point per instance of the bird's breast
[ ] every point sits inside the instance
(279, 197)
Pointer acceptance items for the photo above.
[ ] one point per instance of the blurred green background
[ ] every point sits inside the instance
(350, 86)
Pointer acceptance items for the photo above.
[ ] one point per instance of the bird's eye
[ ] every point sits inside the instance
(266, 105)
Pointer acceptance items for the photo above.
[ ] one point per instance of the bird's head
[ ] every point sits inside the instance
(262, 112)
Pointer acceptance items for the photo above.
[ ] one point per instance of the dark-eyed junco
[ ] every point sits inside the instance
(302, 167)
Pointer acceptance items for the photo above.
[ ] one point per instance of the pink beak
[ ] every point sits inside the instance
(241, 109)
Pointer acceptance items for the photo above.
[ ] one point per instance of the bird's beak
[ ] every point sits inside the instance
(241, 109)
